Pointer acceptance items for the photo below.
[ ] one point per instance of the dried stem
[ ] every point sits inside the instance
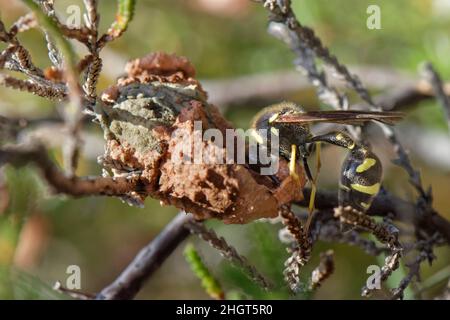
(323, 271)
(330, 231)
(75, 186)
(385, 233)
(425, 249)
(227, 251)
(435, 81)
(282, 12)
(148, 260)
(38, 89)
(300, 252)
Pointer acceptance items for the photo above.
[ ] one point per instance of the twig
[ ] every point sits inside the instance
(330, 231)
(323, 271)
(425, 254)
(95, 64)
(73, 293)
(38, 89)
(73, 111)
(435, 80)
(281, 11)
(300, 252)
(305, 62)
(147, 261)
(386, 204)
(384, 232)
(75, 186)
(227, 251)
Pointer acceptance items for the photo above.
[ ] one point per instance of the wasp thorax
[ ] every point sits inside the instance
(289, 133)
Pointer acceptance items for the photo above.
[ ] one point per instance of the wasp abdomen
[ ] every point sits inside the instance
(360, 179)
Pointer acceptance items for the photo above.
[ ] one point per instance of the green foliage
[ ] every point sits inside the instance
(125, 12)
(209, 283)
(19, 285)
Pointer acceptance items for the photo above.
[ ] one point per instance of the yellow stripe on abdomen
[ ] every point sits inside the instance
(366, 165)
(373, 189)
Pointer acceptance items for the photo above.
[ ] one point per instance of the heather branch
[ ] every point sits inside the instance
(305, 62)
(330, 231)
(282, 12)
(24, 23)
(54, 30)
(53, 53)
(384, 232)
(148, 260)
(94, 64)
(425, 248)
(16, 57)
(73, 111)
(81, 34)
(384, 205)
(21, 155)
(435, 80)
(323, 271)
(227, 251)
(50, 92)
(300, 252)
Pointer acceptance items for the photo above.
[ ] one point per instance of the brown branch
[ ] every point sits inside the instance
(438, 87)
(323, 271)
(227, 251)
(148, 260)
(154, 254)
(425, 249)
(38, 89)
(385, 204)
(330, 230)
(281, 12)
(384, 232)
(75, 186)
(300, 252)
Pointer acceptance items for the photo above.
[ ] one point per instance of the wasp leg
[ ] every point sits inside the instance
(384, 232)
(312, 198)
(307, 169)
(293, 163)
(337, 138)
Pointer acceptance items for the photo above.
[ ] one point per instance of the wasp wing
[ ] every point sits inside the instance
(341, 116)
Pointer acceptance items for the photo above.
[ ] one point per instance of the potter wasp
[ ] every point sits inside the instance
(361, 171)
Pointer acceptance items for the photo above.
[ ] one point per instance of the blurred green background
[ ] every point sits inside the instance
(42, 234)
